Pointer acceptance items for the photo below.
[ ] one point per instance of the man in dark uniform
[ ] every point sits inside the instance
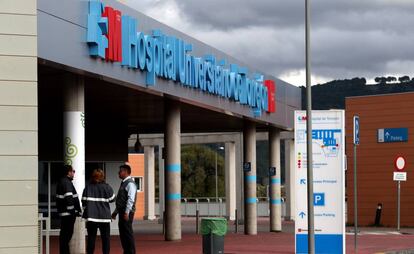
(125, 207)
(68, 207)
(96, 211)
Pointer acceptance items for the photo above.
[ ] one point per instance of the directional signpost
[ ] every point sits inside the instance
(399, 176)
(356, 130)
(356, 142)
(328, 143)
(392, 135)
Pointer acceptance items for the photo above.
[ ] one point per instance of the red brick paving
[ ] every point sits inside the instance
(262, 243)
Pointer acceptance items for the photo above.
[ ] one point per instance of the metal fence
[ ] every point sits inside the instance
(44, 231)
(208, 206)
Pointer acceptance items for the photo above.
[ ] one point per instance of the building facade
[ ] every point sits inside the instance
(78, 78)
(18, 126)
(386, 132)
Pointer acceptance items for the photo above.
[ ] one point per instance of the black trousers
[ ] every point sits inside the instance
(66, 232)
(126, 234)
(92, 228)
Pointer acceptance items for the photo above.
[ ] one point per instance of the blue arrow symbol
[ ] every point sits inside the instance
(302, 181)
(302, 214)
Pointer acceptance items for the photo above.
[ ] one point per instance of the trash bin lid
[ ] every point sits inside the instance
(215, 226)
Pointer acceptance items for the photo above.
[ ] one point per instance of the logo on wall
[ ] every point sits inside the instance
(115, 38)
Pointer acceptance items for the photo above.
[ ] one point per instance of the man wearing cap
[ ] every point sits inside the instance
(68, 206)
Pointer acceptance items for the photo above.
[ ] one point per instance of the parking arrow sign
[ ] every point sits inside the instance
(302, 214)
(302, 181)
(356, 130)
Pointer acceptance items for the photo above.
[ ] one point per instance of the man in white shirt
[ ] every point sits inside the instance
(125, 207)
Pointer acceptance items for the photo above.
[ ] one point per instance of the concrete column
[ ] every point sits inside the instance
(149, 182)
(230, 169)
(74, 145)
(172, 142)
(290, 178)
(161, 184)
(239, 178)
(275, 197)
(250, 198)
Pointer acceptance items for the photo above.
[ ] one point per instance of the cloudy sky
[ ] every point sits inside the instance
(349, 38)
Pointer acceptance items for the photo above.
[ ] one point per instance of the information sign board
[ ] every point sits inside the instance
(328, 144)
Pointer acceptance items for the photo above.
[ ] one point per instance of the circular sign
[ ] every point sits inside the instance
(400, 163)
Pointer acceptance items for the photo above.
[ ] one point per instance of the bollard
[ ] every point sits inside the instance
(185, 207)
(220, 202)
(208, 207)
(197, 218)
(196, 204)
(378, 215)
(236, 227)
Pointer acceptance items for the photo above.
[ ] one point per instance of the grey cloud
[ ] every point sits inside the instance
(349, 37)
(231, 14)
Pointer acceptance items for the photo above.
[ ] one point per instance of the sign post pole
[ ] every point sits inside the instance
(355, 200)
(398, 205)
(356, 142)
(399, 176)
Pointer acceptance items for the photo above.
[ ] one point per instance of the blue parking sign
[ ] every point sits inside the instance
(356, 130)
(319, 199)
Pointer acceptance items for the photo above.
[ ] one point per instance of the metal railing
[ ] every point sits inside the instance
(210, 206)
(44, 229)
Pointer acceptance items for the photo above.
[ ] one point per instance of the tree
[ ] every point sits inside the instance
(381, 80)
(404, 79)
(198, 172)
(391, 79)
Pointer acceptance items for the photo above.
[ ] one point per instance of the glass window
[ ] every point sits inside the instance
(43, 188)
(56, 173)
(138, 182)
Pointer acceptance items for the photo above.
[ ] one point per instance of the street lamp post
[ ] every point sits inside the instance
(219, 148)
(311, 234)
(216, 178)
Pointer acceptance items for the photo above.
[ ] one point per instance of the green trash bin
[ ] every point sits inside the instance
(213, 231)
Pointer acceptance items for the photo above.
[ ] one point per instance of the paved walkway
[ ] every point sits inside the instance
(150, 240)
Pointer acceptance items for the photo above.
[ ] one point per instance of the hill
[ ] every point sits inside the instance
(331, 95)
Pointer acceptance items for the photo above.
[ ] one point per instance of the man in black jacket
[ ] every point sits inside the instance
(68, 207)
(125, 207)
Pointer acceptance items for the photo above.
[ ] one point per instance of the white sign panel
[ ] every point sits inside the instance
(328, 139)
(400, 176)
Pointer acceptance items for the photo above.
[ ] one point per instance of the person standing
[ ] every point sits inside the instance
(68, 206)
(96, 211)
(125, 207)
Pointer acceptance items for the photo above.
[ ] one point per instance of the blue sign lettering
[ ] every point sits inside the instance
(392, 135)
(319, 199)
(168, 57)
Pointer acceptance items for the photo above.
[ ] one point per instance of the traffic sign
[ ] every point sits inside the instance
(392, 135)
(399, 163)
(356, 130)
(400, 176)
(272, 171)
(247, 167)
